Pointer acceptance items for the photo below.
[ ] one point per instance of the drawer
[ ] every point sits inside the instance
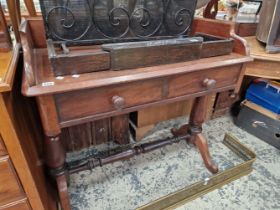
(10, 189)
(2, 147)
(205, 80)
(18, 205)
(89, 102)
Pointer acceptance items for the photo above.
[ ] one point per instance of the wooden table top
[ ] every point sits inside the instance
(44, 82)
(8, 64)
(257, 50)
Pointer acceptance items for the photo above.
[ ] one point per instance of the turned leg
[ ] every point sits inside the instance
(194, 128)
(197, 117)
(201, 143)
(55, 160)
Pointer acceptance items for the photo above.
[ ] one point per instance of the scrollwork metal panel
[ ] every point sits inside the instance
(100, 21)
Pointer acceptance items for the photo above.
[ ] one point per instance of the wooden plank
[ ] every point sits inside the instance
(264, 69)
(151, 53)
(5, 60)
(153, 115)
(212, 49)
(139, 132)
(80, 136)
(246, 29)
(101, 131)
(261, 110)
(120, 129)
(79, 61)
(257, 50)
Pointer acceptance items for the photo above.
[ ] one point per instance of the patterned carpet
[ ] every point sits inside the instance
(126, 185)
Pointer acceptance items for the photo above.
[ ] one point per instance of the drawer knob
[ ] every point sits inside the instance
(118, 102)
(209, 83)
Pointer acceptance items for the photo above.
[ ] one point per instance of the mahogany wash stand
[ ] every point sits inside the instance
(76, 99)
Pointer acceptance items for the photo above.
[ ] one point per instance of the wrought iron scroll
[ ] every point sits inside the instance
(99, 21)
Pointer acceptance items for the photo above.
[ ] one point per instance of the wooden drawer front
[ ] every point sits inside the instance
(2, 147)
(21, 205)
(93, 101)
(193, 82)
(10, 189)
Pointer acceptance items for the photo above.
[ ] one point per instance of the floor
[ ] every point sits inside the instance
(126, 185)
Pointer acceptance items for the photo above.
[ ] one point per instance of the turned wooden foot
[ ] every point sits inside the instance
(201, 143)
(61, 181)
(194, 128)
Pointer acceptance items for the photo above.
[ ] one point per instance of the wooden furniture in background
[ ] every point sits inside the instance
(5, 39)
(211, 9)
(14, 14)
(29, 4)
(265, 65)
(268, 30)
(22, 181)
(246, 29)
(76, 100)
(15, 17)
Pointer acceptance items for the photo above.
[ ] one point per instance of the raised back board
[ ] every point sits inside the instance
(106, 21)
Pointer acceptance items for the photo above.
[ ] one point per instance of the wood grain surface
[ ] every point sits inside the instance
(10, 188)
(265, 65)
(71, 101)
(2, 147)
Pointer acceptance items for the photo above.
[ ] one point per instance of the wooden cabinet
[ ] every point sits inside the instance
(10, 189)
(22, 181)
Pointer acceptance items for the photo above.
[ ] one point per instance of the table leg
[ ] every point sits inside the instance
(55, 160)
(197, 117)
